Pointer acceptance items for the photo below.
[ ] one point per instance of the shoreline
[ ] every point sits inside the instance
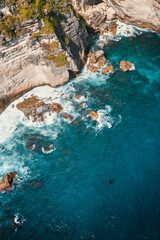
(21, 90)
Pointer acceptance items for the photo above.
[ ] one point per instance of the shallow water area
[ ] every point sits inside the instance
(86, 179)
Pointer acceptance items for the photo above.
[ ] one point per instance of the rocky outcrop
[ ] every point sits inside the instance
(37, 59)
(107, 69)
(35, 109)
(7, 181)
(93, 114)
(67, 116)
(125, 66)
(96, 60)
(144, 13)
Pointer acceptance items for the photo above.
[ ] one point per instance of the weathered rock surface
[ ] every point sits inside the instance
(125, 66)
(107, 69)
(23, 61)
(35, 109)
(67, 116)
(96, 58)
(7, 181)
(144, 13)
(93, 114)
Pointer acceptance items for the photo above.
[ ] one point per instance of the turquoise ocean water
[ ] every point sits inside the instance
(100, 180)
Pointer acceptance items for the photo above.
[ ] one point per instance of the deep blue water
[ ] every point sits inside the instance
(102, 181)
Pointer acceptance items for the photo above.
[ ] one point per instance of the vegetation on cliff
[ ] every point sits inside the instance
(51, 12)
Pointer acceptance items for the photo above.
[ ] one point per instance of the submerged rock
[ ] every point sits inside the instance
(7, 181)
(67, 116)
(93, 114)
(56, 107)
(35, 184)
(31, 146)
(125, 66)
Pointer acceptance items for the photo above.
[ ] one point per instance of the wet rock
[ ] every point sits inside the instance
(35, 184)
(82, 104)
(78, 97)
(31, 146)
(56, 107)
(93, 59)
(128, 32)
(93, 114)
(113, 28)
(125, 66)
(101, 61)
(92, 68)
(99, 54)
(130, 39)
(111, 44)
(7, 181)
(107, 69)
(67, 116)
(33, 108)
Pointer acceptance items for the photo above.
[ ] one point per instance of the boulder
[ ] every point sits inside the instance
(99, 54)
(56, 107)
(125, 66)
(7, 181)
(31, 146)
(82, 104)
(92, 68)
(78, 97)
(107, 69)
(101, 61)
(93, 59)
(113, 28)
(67, 116)
(93, 114)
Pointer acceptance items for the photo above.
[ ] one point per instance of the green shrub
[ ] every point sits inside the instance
(26, 13)
(60, 60)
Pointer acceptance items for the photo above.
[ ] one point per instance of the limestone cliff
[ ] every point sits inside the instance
(145, 13)
(39, 58)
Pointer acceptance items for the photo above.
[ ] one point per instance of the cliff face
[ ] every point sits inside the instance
(139, 12)
(143, 13)
(37, 58)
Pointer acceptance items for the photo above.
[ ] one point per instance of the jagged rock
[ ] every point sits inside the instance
(101, 61)
(99, 54)
(7, 181)
(142, 13)
(78, 97)
(93, 59)
(125, 66)
(56, 107)
(82, 104)
(93, 114)
(110, 14)
(31, 146)
(67, 116)
(113, 28)
(92, 68)
(107, 69)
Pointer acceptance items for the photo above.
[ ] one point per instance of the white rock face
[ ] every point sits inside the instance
(145, 12)
(23, 65)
